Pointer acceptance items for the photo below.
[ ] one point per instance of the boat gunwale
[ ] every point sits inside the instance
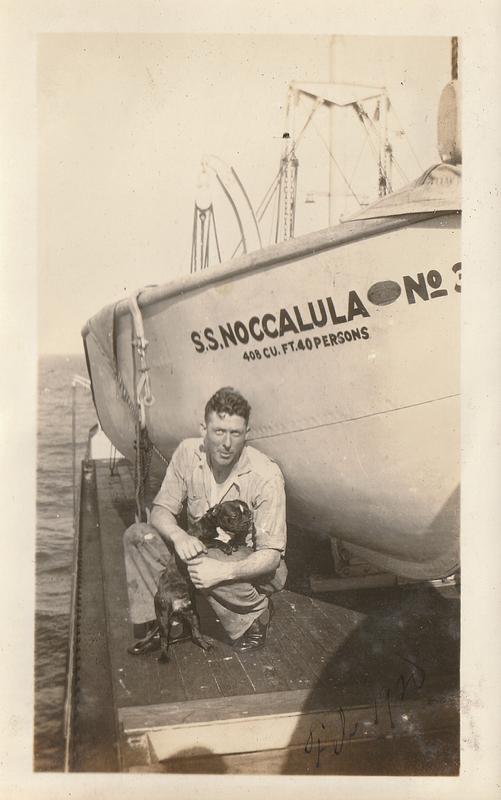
(293, 249)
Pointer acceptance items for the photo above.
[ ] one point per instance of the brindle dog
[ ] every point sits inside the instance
(175, 594)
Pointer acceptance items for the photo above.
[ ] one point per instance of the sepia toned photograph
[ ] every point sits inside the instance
(249, 453)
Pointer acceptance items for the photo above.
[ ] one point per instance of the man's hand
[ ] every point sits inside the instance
(187, 546)
(207, 572)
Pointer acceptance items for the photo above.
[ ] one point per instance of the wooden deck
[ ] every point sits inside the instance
(337, 671)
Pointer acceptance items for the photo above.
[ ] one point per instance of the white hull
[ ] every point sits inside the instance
(365, 425)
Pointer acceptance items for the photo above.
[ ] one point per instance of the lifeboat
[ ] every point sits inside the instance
(346, 344)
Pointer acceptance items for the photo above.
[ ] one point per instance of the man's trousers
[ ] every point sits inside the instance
(236, 604)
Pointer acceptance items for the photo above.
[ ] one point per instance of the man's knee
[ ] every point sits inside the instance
(138, 533)
(237, 594)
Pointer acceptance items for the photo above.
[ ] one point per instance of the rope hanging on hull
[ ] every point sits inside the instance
(110, 358)
(143, 446)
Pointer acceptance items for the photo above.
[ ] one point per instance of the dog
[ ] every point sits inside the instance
(234, 517)
(175, 594)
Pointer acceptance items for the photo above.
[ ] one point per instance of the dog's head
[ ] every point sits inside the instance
(233, 516)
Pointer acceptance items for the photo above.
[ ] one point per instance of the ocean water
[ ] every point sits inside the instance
(54, 547)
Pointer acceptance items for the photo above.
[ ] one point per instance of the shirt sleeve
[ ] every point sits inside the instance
(173, 490)
(269, 514)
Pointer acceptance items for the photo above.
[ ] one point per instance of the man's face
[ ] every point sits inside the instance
(224, 437)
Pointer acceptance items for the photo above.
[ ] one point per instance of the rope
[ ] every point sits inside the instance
(127, 399)
(215, 235)
(201, 216)
(144, 396)
(270, 191)
(276, 184)
(400, 170)
(123, 392)
(365, 120)
(391, 109)
(364, 145)
(144, 399)
(200, 250)
(338, 167)
(193, 265)
(318, 102)
(112, 460)
(204, 257)
(142, 464)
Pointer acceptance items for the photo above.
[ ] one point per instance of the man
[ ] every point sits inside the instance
(219, 466)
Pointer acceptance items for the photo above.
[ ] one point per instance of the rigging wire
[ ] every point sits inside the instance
(265, 202)
(262, 213)
(193, 266)
(400, 169)
(261, 210)
(205, 262)
(202, 216)
(215, 235)
(364, 145)
(370, 130)
(365, 120)
(319, 102)
(337, 165)
(393, 158)
(273, 186)
(362, 117)
(391, 108)
(272, 224)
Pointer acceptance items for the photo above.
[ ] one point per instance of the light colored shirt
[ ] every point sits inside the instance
(255, 479)
(218, 490)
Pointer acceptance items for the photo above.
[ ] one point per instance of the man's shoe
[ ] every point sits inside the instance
(255, 636)
(150, 644)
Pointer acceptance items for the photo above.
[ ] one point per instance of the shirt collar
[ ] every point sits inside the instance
(242, 467)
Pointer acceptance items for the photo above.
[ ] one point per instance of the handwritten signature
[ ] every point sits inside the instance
(414, 677)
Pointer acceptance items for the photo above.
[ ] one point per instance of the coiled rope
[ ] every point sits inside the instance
(122, 391)
(144, 399)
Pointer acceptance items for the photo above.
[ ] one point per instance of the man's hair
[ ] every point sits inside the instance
(228, 400)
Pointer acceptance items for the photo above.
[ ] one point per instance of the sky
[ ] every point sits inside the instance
(125, 119)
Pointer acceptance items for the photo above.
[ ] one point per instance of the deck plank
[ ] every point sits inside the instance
(301, 650)
(347, 642)
(134, 677)
(138, 719)
(295, 675)
(229, 673)
(396, 628)
(195, 670)
(264, 671)
(326, 624)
